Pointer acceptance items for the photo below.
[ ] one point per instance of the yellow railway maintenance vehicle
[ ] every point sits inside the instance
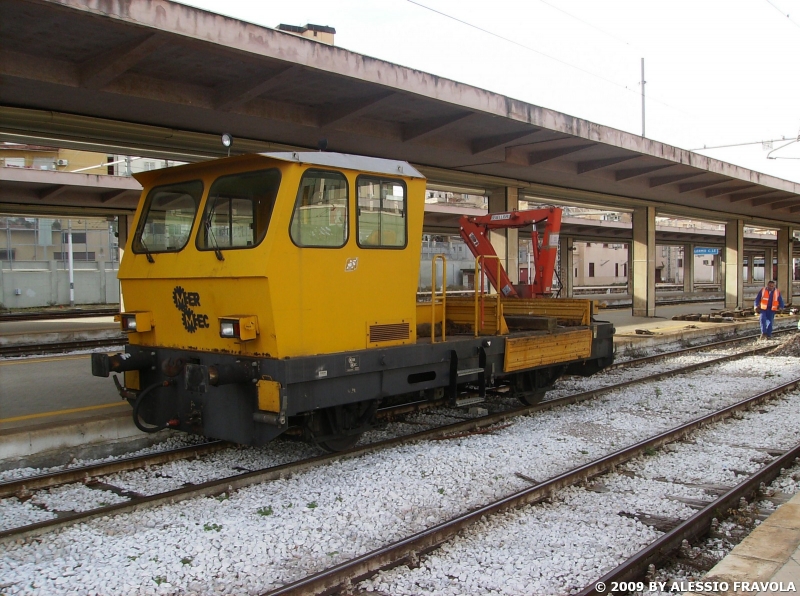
(276, 291)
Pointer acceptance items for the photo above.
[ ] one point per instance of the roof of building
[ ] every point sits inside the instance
(165, 79)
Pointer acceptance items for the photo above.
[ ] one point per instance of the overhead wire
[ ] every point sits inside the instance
(590, 25)
(546, 55)
(791, 20)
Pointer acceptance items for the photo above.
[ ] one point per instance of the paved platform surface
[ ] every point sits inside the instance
(57, 330)
(770, 554)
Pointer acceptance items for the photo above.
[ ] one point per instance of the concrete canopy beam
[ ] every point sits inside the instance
(734, 250)
(52, 192)
(628, 174)
(97, 72)
(232, 96)
(662, 180)
(715, 192)
(482, 144)
(423, 128)
(340, 112)
(216, 73)
(744, 196)
(692, 186)
(598, 164)
(643, 256)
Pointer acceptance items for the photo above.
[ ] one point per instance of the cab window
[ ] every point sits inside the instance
(381, 212)
(238, 210)
(320, 211)
(167, 217)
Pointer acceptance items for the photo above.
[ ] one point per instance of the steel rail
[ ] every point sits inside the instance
(58, 314)
(410, 548)
(22, 486)
(60, 347)
(692, 528)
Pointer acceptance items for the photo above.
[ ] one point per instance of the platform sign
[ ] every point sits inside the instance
(706, 251)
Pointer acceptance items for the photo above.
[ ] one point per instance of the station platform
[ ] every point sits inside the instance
(51, 331)
(52, 407)
(769, 556)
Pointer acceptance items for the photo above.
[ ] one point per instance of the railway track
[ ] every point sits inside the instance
(408, 550)
(633, 570)
(58, 314)
(60, 347)
(89, 474)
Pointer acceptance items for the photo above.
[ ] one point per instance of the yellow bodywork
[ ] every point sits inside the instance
(305, 301)
(543, 350)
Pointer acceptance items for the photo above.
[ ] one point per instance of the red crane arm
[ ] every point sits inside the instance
(475, 232)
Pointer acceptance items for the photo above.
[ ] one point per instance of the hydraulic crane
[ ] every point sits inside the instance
(475, 232)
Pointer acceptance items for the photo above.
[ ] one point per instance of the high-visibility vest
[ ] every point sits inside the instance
(765, 298)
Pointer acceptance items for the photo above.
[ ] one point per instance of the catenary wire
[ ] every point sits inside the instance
(559, 60)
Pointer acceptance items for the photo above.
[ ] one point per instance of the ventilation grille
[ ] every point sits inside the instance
(392, 332)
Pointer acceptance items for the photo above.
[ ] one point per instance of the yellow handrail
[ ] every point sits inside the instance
(479, 294)
(438, 299)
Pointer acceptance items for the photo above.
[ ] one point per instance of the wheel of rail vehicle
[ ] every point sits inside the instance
(530, 387)
(339, 428)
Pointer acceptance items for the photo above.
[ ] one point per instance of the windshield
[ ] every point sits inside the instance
(167, 218)
(238, 210)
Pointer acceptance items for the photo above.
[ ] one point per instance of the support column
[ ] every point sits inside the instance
(565, 246)
(769, 257)
(751, 268)
(643, 272)
(506, 242)
(785, 263)
(734, 249)
(688, 268)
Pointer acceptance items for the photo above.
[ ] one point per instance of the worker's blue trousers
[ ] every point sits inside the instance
(767, 320)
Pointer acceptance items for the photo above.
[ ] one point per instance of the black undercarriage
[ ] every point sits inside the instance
(331, 397)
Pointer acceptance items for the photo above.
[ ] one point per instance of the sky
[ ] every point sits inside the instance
(717, 72)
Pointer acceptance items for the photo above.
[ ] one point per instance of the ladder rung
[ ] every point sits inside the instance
(468, 401)
(470, 371)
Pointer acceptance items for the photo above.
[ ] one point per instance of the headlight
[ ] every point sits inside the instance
(243, 327)
(229, 328)
(132, 322)
(129, 322)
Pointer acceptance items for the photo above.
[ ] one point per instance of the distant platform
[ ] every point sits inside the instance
(769, 556)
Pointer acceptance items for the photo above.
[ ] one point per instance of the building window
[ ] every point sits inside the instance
(576, 272)
(320, 212)
(76, 256)
(616, 269)
(591, 269)
(6, 254)
(624, 270)
(77, 237)
(680, 262)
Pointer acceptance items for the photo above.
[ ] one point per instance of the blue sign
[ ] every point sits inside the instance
(706, 251)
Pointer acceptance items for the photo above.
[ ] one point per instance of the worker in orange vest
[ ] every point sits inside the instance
(768, 301)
